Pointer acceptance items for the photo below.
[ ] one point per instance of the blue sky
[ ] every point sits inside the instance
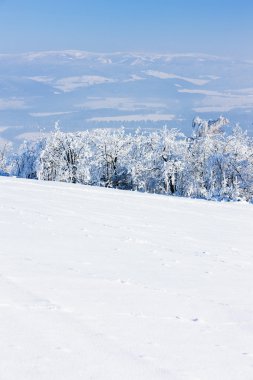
(222, 27)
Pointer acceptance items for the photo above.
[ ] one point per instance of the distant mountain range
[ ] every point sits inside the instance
(83, 90)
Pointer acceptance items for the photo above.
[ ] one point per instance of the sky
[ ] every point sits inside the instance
(220, 27)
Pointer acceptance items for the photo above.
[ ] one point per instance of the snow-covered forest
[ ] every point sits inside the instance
(216, 162)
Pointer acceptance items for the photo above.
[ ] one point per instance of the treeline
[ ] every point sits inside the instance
(210, 164)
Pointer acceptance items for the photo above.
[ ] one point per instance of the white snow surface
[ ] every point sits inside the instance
(100, 284)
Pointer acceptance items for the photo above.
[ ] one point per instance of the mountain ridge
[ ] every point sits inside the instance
(87, 90)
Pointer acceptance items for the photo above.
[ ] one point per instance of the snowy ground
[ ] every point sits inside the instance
(100, 284)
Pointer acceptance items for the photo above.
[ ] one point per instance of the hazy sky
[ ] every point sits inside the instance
(222, 27)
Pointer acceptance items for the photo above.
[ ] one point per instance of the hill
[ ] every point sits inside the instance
(92, 90)
(104, 284)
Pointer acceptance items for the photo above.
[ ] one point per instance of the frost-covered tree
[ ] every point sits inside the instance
(110, 151)
(26, 161)
(173, 150)
(238, 162)
(143, 161)
(212, 164)
(202, 128)
(63, 158)
(218, 164)
(5, 151)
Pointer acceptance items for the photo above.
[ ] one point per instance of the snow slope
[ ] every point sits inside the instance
(103, 284)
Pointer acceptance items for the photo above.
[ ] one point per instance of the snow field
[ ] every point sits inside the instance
(103, 284)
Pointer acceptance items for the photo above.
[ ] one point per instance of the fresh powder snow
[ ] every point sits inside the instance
(102, 284)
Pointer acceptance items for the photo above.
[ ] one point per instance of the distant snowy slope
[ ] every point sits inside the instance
(86, 90)
(105, 285)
